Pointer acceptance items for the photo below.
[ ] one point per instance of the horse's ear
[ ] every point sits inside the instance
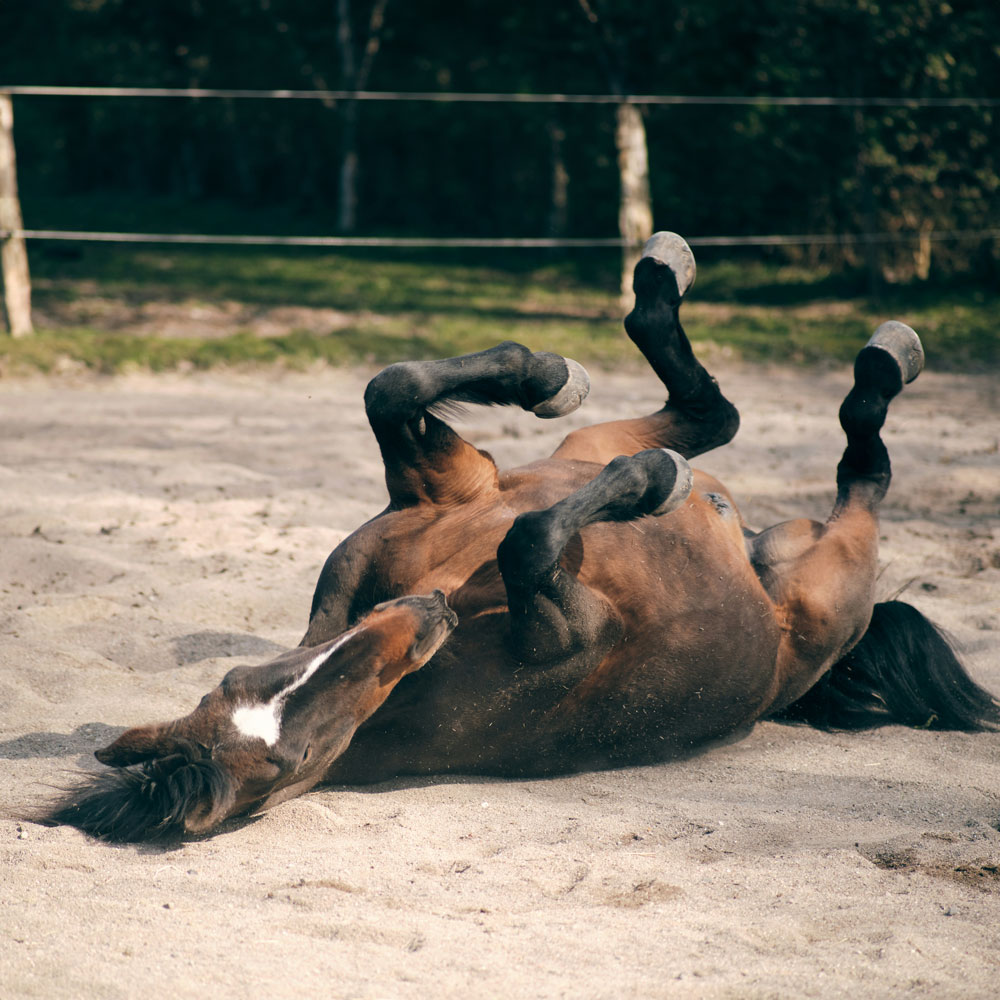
(145, 743)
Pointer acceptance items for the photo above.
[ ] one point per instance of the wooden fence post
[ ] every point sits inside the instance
(13, 256)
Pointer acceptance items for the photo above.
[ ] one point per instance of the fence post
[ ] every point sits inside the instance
(13, 256)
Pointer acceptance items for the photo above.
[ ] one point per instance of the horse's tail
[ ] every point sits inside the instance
(904, 670)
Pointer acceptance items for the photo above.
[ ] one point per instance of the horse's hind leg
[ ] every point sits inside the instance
(696, 417)
(425, 460)
(822, 576)
(553, 615)
(892, 358)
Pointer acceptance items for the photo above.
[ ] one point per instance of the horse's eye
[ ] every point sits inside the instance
(306, 754)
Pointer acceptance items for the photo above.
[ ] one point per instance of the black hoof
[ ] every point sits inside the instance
(569, 397)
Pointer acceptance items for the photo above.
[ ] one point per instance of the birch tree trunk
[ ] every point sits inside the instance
(635, 204)
(353, 77)
(922, 255)
(13, 256)
(347, 195)
(559, 194)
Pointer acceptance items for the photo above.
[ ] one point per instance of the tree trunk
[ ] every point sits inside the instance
(922, 256)
(559, 196)
(13, 256)
(353, 77)
(347, 203)
(635, 206)
(868, 214)
(635, 203)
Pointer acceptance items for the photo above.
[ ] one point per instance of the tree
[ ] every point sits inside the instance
(635, 204)
(354, 75)
(355, 68)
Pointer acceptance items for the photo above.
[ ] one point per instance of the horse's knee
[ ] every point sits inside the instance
(531, 547)
(555, 619)
(396, 394)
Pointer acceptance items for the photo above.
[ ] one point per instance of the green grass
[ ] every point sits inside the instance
(383, 307)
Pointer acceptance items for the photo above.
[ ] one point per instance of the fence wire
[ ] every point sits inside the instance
(450, 97)
(197, 93)
(488, 243)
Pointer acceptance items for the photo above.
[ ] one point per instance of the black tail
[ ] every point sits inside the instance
(903, 670)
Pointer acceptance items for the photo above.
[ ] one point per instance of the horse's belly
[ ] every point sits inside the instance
(664, 693)
(695, 661)
(658, 695)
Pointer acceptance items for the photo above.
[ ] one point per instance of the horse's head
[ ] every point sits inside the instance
(265, 734)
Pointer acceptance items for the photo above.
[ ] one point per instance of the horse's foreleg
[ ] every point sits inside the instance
(696, 417)
(428, 465)
(425, 460)
(553, 615)
(822, 577)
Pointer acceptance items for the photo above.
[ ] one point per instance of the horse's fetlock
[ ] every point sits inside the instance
(396, 392)
(670, 481)
(630, 477)
(544, 376)
(862, 417)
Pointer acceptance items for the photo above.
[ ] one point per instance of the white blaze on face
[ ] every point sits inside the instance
(259, 720)
(263, 720)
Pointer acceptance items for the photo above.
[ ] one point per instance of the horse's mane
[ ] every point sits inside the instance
(147, 802)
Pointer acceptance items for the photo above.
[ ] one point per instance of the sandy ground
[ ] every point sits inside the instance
(157, 530)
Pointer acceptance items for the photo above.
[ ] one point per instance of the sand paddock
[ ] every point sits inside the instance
(156, 530)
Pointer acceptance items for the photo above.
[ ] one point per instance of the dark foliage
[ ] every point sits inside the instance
(489, 170)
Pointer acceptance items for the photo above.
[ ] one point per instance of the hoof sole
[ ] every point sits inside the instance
(903, 345)
(569, 397)
(683, 481)
(672, 250)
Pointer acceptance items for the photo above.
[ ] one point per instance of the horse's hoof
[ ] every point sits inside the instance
(683, 480)
(570, 396)
(903, 345)
(672, 250)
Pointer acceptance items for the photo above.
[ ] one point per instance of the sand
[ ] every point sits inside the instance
(157, 530)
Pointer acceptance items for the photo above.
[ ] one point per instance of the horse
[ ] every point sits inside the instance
(602, 607)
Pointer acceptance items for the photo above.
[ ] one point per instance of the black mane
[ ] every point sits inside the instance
(147, 802)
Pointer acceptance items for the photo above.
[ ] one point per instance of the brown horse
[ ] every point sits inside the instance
(603, 606)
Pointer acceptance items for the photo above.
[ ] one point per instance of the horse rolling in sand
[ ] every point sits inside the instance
(601, 607)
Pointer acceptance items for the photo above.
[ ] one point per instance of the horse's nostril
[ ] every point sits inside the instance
(447, 614)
